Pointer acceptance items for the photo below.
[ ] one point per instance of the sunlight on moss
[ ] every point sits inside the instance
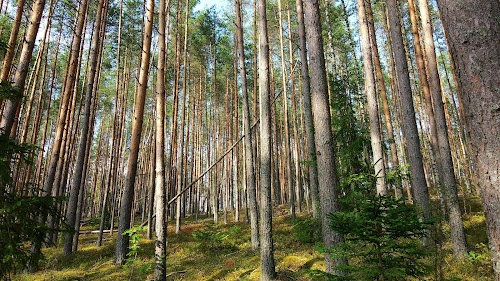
(185, 261)
(293, 262)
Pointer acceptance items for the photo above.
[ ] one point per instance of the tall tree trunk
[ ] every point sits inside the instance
(160, 190)
(448, 176)
(89, 93)
(325, 154)
(287, 160)
(478, 71)
(308, 117)
(371, 97)
(266, 208)
(180, 157)
(295, 120)
(11, 106)
(249, 156)
(9, 55)
(113, 165)
(122, 242)
(418, 183)
(383, 94)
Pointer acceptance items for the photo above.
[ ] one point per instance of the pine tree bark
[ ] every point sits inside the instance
(11, 106)
(413, 153)
(308, 118)
(448, 176)
(9, 55)
(122, 241)
(82, 155)
(113, 163)
(266, 227)
(372, 102)
(473, 33)
(287, 159)
(325, 154)
(383, 93)
(249, 156)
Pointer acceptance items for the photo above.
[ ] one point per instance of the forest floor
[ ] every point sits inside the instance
(204, 251)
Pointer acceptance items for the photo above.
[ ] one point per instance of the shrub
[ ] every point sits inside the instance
(381, 238)
(307, 231)
(213, 238)
(133, 262)
(20, 224)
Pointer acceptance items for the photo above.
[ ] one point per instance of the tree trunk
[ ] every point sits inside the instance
(478, 71)
(287, 160)
(448, 176)
(249, 156)
(89, 93)
(160, 191)
(325, 154)
(308, 117)
(11, 106)
(418, 183)
(371, 97)
(122, 242)
(383, 94)
(9, 55)
(266, 208)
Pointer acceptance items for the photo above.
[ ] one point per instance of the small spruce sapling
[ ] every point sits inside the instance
(382, 237)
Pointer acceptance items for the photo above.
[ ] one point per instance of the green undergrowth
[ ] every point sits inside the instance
(206, 251)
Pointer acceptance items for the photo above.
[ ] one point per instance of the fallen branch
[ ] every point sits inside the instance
(176, 272)
(96, 231)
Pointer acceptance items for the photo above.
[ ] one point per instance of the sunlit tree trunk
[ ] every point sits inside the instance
(478, 71)
(383, 93)
(160, 190)
(371, 97)
(122, 242)
(287, 159)
(9, 55)
(12, 105)
(113, 163)
(413, 153)
(266, 208)
(448, 176)
(249, 156)
(308, 117)
(325, 154)
(89, 94)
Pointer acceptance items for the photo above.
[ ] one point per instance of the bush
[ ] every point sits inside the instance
(381, 238)
(307, 231)
(213, 238)
(20, 224)
(133, 262)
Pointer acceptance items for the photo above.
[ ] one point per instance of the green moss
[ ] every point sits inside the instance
(185, 261)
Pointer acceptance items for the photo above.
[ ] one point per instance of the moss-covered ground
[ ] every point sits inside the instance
(204, 251)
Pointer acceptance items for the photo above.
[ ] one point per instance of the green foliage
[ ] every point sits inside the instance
(396, 175)
(213, 238)
(308, 230)
(133, 262)
(5, 24)
(3, 46)
(135, 235)
(381, 238)
(352, 143)
(475, 266)
(19, 215)
(7, 91)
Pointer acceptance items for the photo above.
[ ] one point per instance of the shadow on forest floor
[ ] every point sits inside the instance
(204, 251)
